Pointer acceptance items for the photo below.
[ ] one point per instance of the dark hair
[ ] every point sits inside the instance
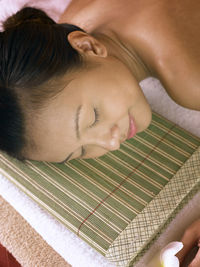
(34, 51)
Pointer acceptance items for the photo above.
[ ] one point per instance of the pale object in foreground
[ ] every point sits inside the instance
(166, 257)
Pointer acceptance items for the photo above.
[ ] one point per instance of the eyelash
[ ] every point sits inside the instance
(96, 112)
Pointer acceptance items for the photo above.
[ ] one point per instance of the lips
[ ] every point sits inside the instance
(132, 127)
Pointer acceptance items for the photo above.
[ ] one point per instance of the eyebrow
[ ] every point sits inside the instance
(76, 130)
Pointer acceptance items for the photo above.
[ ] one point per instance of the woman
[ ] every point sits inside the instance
(70, 92)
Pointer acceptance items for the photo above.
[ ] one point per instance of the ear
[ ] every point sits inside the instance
(86, 44)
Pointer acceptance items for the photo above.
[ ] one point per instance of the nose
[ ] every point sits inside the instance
(109, 140)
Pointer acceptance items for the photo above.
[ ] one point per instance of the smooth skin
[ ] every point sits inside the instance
(125, 42)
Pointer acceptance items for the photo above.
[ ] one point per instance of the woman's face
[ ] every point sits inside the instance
(98, 110)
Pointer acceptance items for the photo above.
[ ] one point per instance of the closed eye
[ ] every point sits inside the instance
(96, 119)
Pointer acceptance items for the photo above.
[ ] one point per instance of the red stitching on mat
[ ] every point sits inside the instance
(115, 189)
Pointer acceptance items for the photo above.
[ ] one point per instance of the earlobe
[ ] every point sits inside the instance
(86, 44)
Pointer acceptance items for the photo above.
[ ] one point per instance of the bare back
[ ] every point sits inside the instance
(164, 33)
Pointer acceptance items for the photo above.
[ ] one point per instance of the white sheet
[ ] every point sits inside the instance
(67, 244)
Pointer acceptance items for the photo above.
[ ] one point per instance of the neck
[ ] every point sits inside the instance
(125, 53)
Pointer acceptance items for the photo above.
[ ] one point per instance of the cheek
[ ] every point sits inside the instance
(116, 105)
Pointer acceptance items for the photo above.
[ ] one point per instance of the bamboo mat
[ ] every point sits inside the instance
(99, 199)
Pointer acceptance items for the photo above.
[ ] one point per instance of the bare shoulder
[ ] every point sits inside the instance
(180, 62)
(178, 68)
(181, 79)
(174, 44)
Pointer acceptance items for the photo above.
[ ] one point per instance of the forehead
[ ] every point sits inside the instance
(53, 128)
